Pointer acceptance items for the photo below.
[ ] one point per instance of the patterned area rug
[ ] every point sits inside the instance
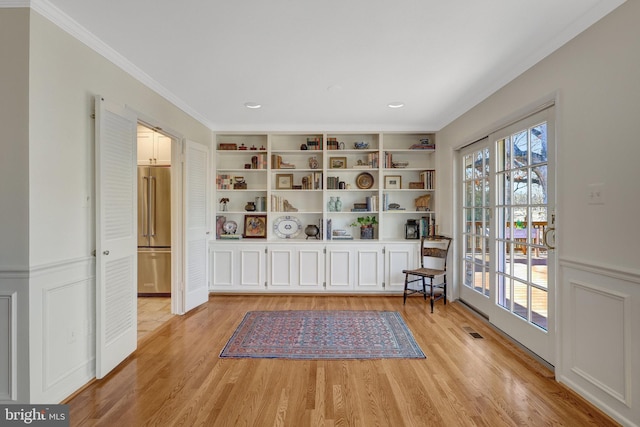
(322, 335)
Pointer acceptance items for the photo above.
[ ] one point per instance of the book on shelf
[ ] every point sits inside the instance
(423, 147)
(314, 143)
(342, 237)
(428, 177)
(231, 236)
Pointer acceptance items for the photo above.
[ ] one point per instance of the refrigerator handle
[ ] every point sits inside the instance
(145, 217)
(152, 207)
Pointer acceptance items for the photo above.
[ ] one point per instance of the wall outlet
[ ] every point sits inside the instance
(595, 194)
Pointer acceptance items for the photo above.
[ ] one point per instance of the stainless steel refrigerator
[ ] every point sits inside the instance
(154, 230)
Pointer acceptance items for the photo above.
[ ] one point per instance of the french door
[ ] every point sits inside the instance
(508, 222)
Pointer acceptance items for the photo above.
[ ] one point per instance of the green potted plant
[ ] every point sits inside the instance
(366, 224)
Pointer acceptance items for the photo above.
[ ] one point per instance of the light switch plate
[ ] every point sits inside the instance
(595, 194)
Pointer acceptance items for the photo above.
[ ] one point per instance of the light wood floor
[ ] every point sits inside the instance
(176, 377)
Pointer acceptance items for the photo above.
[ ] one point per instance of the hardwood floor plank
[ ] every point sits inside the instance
(176, 377)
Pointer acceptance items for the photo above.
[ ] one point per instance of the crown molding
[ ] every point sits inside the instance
(72, 27)
(6, 4)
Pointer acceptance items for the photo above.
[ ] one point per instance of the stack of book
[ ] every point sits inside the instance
(428, 177)
(332, 182)
(224, 182)
(259, 161)
(332, 143)
(312, 181)
(231, 236)
(314, 143)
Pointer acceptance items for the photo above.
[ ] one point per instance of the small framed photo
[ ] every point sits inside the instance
(255, 226)
(284, 181)
(337, 162)
(393, 182)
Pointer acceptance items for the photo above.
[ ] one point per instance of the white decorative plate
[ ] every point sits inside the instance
(230, 227)
(287, 227)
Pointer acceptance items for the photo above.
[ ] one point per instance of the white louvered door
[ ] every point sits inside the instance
(196, 215)
(116, 235)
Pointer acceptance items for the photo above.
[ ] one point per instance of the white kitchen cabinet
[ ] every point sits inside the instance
(153, 148)
(296, 267)
(237, 267)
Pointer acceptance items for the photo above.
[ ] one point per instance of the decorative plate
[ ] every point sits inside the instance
(287, 227)
(364, 180)
(230, 227)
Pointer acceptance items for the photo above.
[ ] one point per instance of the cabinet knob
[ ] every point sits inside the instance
(105, 252)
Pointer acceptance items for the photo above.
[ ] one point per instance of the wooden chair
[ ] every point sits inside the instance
(434, 292)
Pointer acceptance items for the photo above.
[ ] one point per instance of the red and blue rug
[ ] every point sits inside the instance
(322, 335)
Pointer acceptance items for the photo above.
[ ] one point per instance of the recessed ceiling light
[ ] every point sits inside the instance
(252, 105)
(395, 105)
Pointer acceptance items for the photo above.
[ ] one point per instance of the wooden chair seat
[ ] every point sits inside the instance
(434, 292)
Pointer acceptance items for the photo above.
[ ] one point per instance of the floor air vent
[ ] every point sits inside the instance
(471, 332)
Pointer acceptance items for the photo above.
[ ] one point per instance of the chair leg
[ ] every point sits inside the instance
(424, 289)
(406, 286)
(432, 301)
(445, 289)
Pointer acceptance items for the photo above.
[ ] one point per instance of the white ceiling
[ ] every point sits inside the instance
(327, 64)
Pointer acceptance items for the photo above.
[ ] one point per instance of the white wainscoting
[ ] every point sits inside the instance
(600, 337)
(8, 349)
(62, 336)
(14, 323)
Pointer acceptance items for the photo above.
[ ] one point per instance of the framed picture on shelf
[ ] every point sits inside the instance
(337, 162)
(255, 226)
(284, 181)
(393, 182)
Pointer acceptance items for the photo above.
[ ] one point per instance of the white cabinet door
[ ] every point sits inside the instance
(340, 264)
(237, 267)
(223, 265)
(310, 267)
(296, 267)
(153, 149)
(369, 268)
(162, 150)
(398, 257)
(251, 267)
(146, 148)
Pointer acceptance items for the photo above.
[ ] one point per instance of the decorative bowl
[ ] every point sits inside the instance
(339, 232)
(361, 145)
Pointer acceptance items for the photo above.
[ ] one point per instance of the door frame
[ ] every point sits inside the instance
(177, 219)
(550, 100)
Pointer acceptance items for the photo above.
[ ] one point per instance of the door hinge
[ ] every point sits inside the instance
(324, 250)
(324, 285)
(383, 285)
(265, 251)
(384, 250)
(93, 116)
(265, 284)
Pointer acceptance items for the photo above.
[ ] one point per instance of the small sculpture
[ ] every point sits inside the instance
(288, 207)
(422, 202)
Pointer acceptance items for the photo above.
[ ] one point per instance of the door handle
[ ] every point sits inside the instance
(145, 216)
(105, 252)
(545, 236)
(152, 206)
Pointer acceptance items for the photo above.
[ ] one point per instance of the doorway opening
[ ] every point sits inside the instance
(154, 229)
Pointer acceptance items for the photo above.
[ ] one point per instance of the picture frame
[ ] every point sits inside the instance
(284, 181)
(337, 162)
(393, 182)
(255, 226)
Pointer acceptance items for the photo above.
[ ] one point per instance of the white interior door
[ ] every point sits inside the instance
(116, 235)
(196, 223)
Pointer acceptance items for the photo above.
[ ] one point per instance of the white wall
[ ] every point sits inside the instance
(64, 75)
(14, 203)
(597, 79)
